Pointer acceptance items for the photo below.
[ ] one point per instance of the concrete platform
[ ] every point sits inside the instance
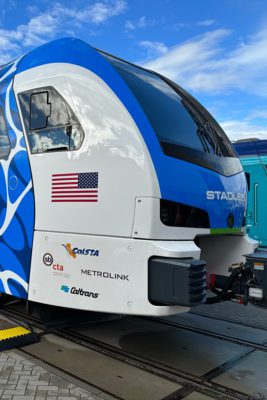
(233, 366)
(185, 351)
(123, 380)
(197, 396)
(211, 324)
(249, 376)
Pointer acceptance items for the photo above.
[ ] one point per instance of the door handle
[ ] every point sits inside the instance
(255, 203)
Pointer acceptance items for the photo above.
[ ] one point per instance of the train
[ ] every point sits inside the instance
(253, 156)
(120, 193)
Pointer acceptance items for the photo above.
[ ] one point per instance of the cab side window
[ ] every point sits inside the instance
(50, 123)
(5, 147)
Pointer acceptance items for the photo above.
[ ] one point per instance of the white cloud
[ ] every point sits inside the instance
(181, 25)
(202, 64)
(96, 13)
(257, 114)
(45, 26)
(205, 65)
(236, 129)
(7, 47)
(141, 22)
(38, 30)
(153, 48)
(186, 59)
(206, 22)
(100, 12)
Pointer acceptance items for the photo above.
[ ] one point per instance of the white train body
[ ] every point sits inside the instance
(97, 202)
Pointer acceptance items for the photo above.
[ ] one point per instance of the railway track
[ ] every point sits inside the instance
(206, 332)
(190, 383)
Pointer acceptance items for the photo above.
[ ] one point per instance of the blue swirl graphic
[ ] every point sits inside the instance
(16, 199)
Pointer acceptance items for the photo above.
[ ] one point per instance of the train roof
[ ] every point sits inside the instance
(68, 49)
(251, 147)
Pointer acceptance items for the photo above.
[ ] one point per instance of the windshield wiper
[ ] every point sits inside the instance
(205, 131)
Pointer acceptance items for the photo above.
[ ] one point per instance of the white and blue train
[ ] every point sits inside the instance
(118, 189)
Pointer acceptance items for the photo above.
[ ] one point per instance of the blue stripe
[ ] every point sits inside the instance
(255, 147)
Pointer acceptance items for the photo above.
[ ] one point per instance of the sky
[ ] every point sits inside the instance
(216, 49)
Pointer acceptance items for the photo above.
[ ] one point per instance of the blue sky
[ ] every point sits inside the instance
(216, 49)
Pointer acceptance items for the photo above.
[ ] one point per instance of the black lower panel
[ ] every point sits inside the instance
(176, 281)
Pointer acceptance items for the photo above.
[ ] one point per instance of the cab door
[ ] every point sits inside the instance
(256, 218)
(16, 194)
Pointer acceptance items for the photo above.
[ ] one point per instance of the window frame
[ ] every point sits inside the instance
(30, 114)
(27, 113)
(2, 114)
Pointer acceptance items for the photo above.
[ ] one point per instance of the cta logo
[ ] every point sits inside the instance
(48, 259)
(73, 252)
(58, 267)
(79, 291)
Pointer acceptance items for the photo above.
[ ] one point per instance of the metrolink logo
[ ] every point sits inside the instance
(79, 291)
(76, 250)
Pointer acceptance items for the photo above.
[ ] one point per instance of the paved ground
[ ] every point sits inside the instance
(229, 311)
(25, 378)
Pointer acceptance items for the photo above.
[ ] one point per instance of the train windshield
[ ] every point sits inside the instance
(181, 124)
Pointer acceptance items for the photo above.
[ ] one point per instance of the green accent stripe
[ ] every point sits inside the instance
(220, 231)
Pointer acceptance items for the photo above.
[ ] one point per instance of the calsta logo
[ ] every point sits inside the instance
(76, 250)
(69, 250)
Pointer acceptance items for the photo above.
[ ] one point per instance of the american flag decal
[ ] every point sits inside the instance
(75, 187)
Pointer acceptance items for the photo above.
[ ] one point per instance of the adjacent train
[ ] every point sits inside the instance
(119, 192)
(253, 156)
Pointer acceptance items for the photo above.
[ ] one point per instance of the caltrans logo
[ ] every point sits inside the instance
(65, 288)
(78, 291)
(74, 251)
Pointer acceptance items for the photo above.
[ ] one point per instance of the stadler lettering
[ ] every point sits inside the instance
(218, 195)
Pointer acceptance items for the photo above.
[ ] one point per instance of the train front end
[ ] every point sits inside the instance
(169, 192)
(203, 193)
